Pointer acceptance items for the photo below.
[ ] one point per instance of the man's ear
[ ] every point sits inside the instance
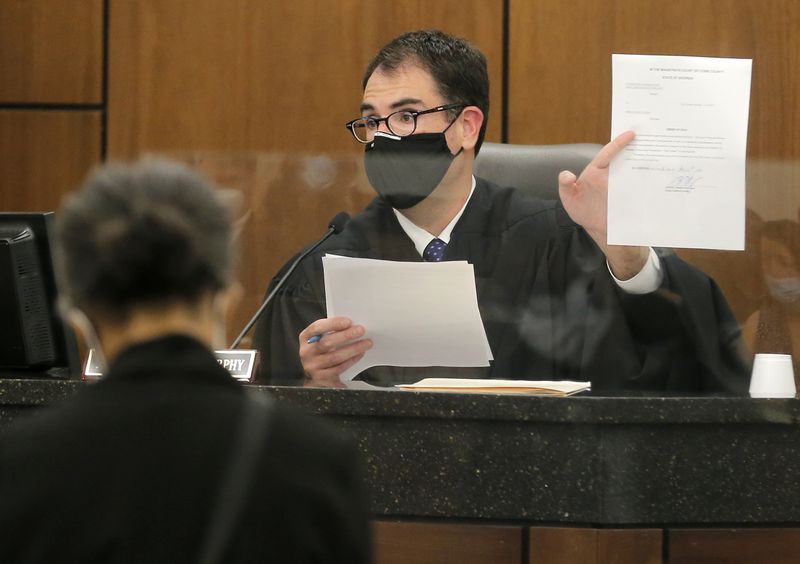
(471, 122)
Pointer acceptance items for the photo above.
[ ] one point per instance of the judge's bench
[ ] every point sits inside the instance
(476, 478)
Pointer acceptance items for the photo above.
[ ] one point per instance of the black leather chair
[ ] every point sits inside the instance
(532, 167)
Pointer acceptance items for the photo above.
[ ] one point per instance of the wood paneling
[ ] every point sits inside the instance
(554, 545)
(437, 543)
(44, 155)
(560, 62)
(51, 51)
(188, 74)
(732, 546)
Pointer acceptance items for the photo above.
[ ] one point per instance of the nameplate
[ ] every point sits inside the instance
(239, 363)
(91, 371)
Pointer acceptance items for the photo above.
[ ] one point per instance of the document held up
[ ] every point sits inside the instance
(681, 181)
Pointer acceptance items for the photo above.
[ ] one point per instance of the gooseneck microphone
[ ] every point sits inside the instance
(335, 225)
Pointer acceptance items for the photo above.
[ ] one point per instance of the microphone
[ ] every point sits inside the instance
(335, 226)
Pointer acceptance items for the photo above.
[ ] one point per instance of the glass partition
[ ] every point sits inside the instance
(272, 129)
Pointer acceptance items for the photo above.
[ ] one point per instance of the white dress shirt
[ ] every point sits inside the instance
(647, 280)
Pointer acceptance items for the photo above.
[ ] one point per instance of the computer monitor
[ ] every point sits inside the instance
(34, 341)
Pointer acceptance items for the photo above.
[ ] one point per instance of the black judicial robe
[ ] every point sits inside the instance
(549, 305)
(127, 471)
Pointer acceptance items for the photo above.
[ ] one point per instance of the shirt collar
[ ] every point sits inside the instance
(420, 237)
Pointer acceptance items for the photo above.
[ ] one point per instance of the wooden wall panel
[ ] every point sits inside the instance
(257, 95)
(436, 543)
(734, 546)
(44, 155)
(556, 545)
(560, 62)
(188, 74)
(51, 52)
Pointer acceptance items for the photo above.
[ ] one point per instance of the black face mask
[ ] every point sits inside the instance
(405, 170)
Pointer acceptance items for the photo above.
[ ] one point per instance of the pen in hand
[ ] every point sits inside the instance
(316, 338)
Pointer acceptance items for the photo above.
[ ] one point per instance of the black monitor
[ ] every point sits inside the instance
(34, 341)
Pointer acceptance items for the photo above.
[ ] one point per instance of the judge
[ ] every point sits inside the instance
(556, 300)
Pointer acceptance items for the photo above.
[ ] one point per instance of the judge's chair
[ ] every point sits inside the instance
(533, 168)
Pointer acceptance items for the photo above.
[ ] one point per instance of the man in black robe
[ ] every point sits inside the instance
(557, 302)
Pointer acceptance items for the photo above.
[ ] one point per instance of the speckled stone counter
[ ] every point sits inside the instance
(581, 460)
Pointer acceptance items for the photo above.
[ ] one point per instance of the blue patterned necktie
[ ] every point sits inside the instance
(434, 251)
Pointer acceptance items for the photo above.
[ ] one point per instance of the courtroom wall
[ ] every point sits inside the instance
(51, 99)
(256, 94)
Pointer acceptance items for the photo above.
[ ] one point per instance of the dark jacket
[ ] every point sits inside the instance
(127, 471)
(549, 305)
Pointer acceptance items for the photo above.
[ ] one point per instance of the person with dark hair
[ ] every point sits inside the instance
(556, 300)
(775, 326)
(456, 66)
(167, 458)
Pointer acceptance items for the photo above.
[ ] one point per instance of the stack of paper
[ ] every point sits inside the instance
(482, 386)
(415, 313)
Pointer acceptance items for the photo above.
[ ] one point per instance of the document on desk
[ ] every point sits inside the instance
(681, 181)
(416, 313)
(560, 388)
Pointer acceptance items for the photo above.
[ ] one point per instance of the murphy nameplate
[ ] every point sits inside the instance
(238, 362)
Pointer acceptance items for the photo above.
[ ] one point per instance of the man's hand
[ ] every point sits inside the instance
(340, 347)
(586, 200)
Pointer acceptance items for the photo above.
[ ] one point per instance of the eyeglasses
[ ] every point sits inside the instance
(401, 123)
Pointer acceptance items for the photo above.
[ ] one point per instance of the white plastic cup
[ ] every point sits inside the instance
(772, 377)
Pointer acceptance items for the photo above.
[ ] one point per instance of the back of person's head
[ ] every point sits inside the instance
(457, 67)
(144, 234)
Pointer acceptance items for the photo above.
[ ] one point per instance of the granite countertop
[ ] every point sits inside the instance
(623, 408)
(586, 459)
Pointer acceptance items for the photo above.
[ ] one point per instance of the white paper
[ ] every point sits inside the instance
(681, 182)
(415, 313)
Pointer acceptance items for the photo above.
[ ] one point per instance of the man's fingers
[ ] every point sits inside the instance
(326, 325)
(347, 364)
(607, 153)
(566, 179)
(315, 359)
(332, 341)
(343, 354)
(332, 373)
(331, 377)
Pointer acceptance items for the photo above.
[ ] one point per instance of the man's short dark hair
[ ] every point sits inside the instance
(457, 67)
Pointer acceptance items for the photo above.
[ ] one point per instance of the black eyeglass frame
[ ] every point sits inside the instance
(414, 115)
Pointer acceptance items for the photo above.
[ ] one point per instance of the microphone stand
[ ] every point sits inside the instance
(336, 225)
